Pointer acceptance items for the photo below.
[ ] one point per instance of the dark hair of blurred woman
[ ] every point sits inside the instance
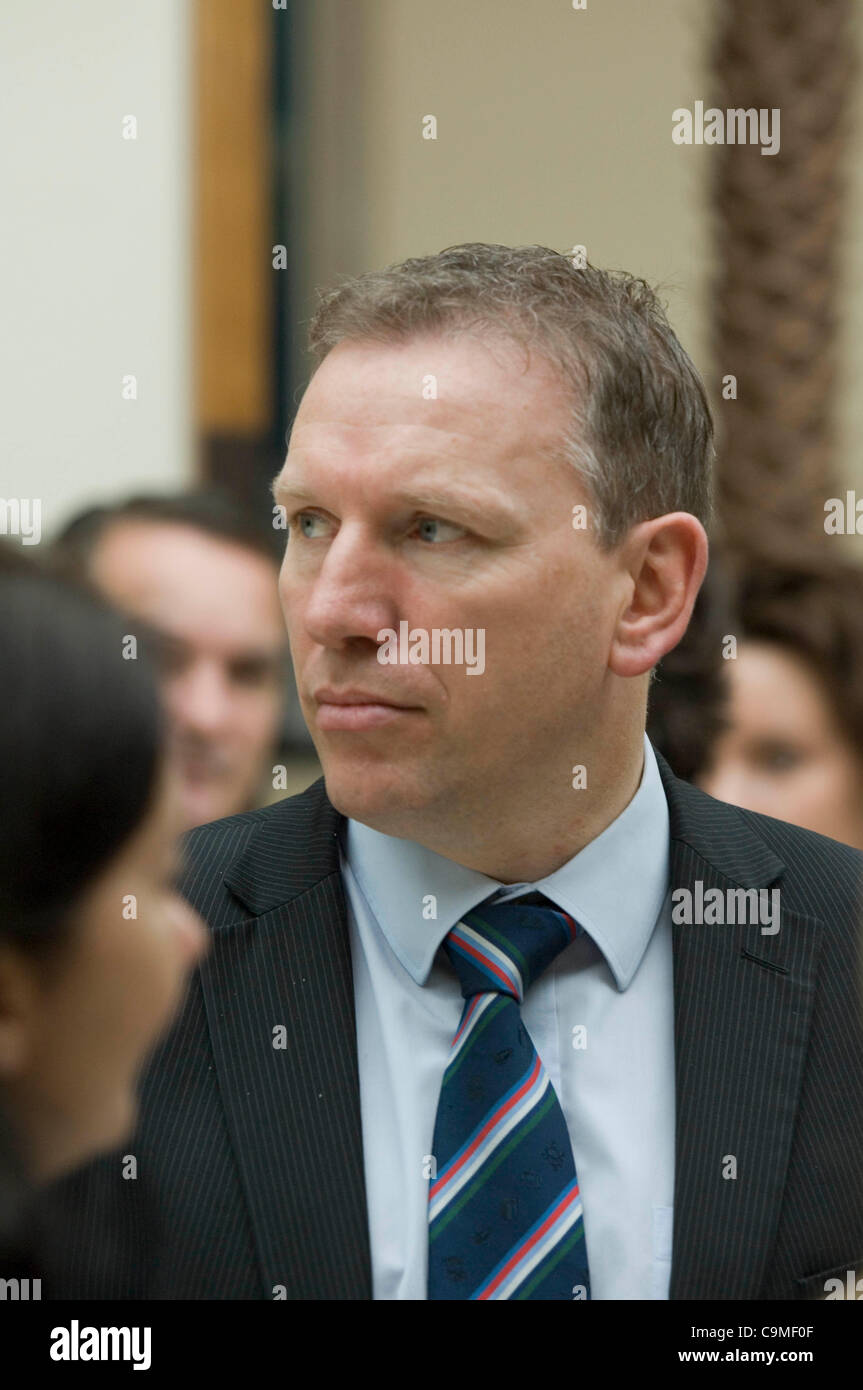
(95, 942)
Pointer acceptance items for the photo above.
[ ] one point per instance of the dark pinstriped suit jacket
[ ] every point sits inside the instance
(250, 1158)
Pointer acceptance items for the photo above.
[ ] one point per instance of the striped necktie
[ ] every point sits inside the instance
(505, 1218)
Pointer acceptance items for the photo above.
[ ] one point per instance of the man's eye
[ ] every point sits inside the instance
(778, 757)
(305, 523)
(250, 672)
(431, 529)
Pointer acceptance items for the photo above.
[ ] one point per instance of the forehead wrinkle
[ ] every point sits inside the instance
(424, 488)
(449, 444)
(429, 446)
(333, 430)
(429, 498)
(471, 413)
(482, 395)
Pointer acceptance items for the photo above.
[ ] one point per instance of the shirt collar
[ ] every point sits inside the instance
(614, 887)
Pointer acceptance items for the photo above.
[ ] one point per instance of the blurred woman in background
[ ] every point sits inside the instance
(95, 941)
(793, 745)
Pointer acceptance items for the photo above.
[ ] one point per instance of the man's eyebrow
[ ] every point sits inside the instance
(292, 486)
(482, 504)
(163, 638)
(263, 656)
(427, 499)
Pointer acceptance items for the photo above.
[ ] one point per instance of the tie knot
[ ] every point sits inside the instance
(504, 947)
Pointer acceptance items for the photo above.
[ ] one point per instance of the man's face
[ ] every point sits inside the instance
(444, 513)
(214, 605)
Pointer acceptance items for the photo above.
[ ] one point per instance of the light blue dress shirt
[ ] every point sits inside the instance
(601, 1018)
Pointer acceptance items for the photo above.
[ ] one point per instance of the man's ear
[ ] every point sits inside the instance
(18, 1010)
(666, 559)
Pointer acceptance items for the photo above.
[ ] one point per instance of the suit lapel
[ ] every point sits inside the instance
(278, 989)
(742, 1006)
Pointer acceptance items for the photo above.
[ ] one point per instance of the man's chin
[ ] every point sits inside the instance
(383, 798)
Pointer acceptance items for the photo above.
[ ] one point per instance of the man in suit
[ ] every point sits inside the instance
(499, 444)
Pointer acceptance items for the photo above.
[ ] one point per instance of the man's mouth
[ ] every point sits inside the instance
(353, 709)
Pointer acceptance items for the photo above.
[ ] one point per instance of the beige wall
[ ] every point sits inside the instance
(554, 126)
(94, 273)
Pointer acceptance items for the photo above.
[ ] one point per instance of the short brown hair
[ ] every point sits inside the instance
(207, 510)
(641, 436)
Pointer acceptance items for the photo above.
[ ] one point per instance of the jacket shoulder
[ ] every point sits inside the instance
(824, 872)
(821, 877)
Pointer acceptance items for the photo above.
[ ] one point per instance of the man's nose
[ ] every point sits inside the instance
(199, 698)
(354, 593)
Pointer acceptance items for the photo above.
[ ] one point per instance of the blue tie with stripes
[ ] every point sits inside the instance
(505, 1216)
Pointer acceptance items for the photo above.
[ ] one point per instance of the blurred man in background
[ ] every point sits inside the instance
(202, 580)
